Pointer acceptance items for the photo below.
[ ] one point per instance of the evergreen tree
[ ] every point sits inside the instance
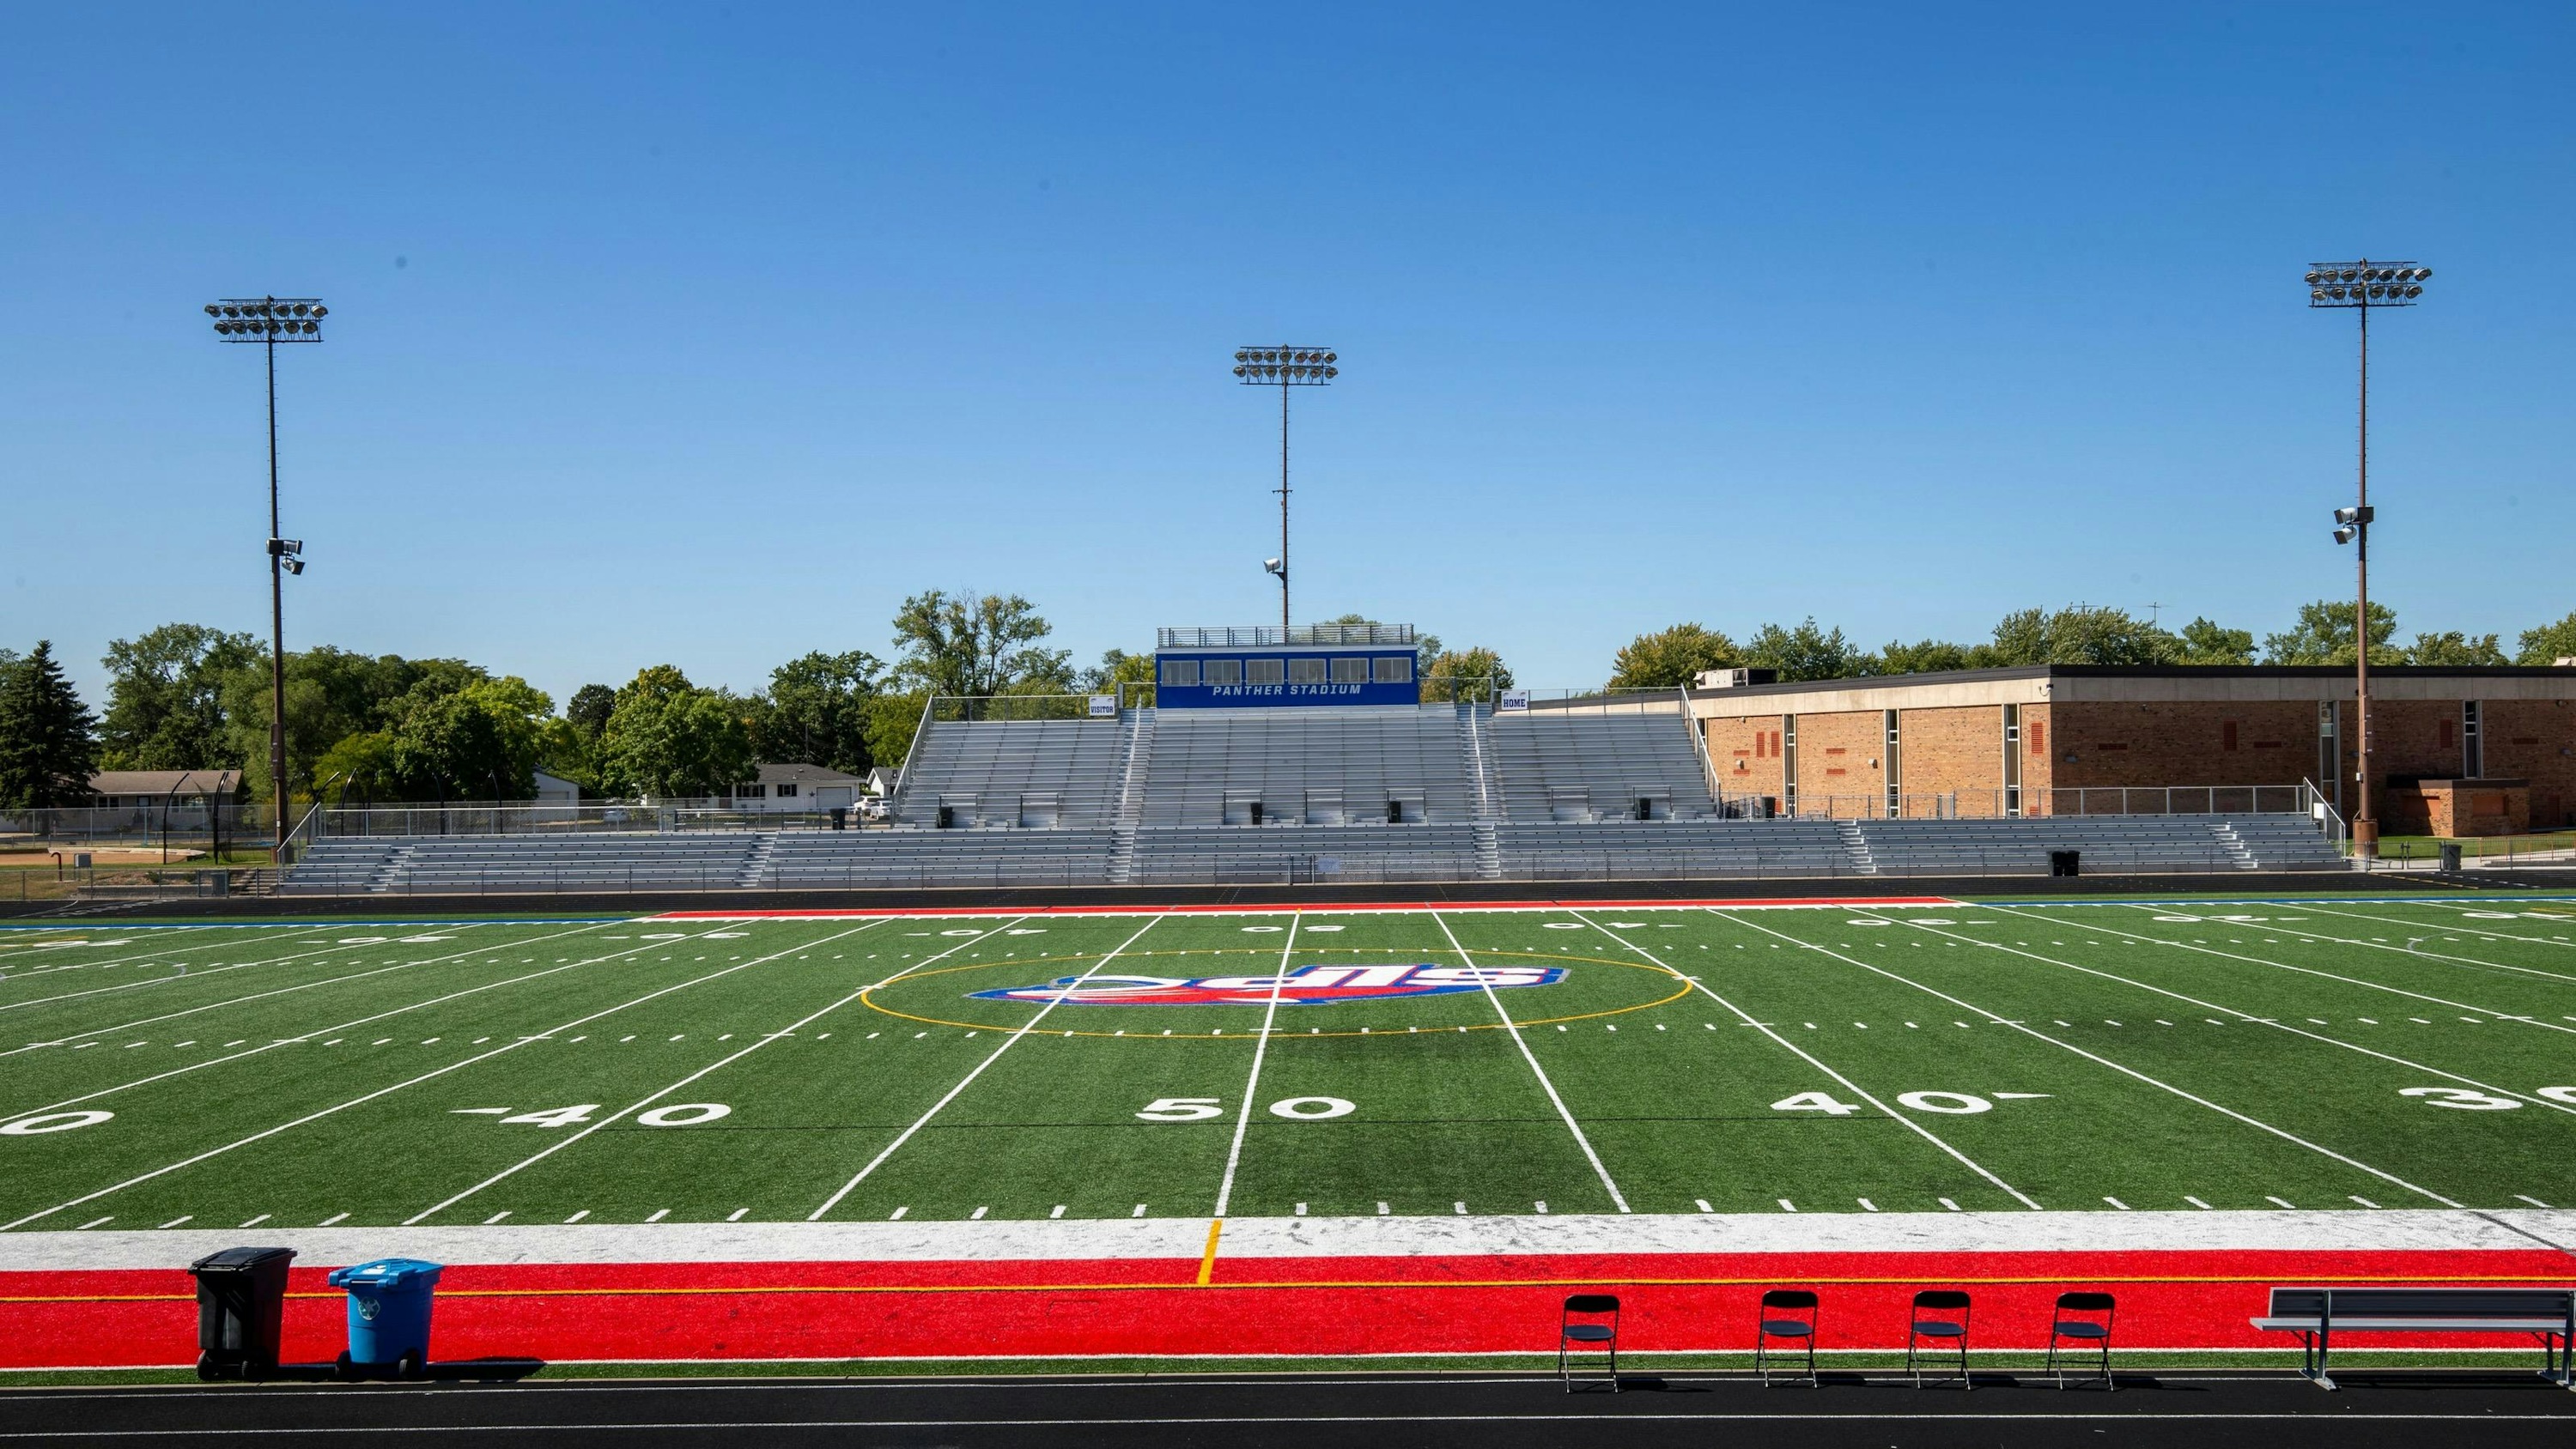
(48, 743)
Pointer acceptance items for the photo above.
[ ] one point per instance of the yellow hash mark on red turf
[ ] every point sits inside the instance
(1207, 1260)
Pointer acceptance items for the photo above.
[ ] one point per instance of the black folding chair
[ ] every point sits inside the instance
(1774, 1321)
(2082, 1320)
(1573, 1337)
(1940, 1316)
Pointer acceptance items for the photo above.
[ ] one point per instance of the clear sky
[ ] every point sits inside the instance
(705, 334)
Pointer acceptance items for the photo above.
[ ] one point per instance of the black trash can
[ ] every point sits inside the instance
(2065, 862)
(840, 817)
(2450, 853)
(947, 816)
(241, 1306)
(1256, 812)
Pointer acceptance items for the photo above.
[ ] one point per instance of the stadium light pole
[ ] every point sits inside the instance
(270, 321)
(2360, 286)
(1284, 368)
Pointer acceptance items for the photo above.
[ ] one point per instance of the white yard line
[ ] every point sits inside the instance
(1855, 1088)
(289, 990)
(2472, 904)
(281, 933)
(646, 1103)
(1617, 1199)
(2247, 1017)
(321, 1031)
(164, 980)
(1008, 1042)
(2126, 1071)
(363, 1099)
(2274, 926)
(1252, 1083)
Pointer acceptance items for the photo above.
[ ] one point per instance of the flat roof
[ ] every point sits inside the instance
(2167, 682)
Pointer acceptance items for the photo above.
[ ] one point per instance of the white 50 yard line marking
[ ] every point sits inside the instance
(318, 1031)
(1008, 1042)
(2131, 1072)
(363, 1099)
(1617, 1198)
(1251, 1084)
(645, 1103)
(2272, 927)
(164, 980)
(2248, 1017)
(289, 990)
(1855, 1088)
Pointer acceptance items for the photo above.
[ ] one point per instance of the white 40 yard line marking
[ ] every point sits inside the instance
(305, 1036)
(1008, 1042)
(1513, 1028)
(2099, 1060)
(1855, 1088)
(387, 1091)
(1251, 1084)
(288, 990)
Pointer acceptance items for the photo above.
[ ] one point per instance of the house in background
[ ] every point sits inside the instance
(183, 794)
(796, 789)
(556, 797)
(883, 779)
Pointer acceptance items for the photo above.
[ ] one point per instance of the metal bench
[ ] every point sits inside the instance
(2318, 1314)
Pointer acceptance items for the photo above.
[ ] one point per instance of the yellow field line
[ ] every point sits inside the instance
(1207, 1260)
(1344, 1285)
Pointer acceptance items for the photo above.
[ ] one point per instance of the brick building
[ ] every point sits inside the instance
(2067, 739)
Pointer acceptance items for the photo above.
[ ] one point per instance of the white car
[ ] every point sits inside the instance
(875, 807)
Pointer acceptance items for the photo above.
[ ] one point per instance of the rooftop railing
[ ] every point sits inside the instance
(1306, 635)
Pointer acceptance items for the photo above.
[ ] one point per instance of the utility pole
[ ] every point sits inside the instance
(1284, 367)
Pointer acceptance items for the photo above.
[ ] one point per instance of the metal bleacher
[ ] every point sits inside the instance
(1305, 766)
(1041, 773)
(1664, 849)
(1580, 765)
(2106, 844)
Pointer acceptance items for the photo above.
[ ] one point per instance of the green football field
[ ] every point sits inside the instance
(2103, 1056)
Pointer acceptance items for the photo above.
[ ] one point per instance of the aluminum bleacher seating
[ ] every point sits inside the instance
(1305, 766)
(1671, 849)
(1038, 773)
(1577, 765)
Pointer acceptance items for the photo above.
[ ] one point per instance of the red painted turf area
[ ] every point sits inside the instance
(1285, 1306)
(1269, 908)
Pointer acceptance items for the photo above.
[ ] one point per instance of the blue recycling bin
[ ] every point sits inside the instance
(389, 1302)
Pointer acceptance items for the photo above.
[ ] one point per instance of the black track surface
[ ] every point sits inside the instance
(1490, 1411)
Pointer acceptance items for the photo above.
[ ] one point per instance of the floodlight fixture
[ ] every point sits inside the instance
(1285, 366)
(272, 320)
(2362, 286)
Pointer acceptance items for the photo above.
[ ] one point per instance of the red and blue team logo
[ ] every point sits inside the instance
(1306, 986)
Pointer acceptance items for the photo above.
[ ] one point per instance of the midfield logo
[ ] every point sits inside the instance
(1306, 986)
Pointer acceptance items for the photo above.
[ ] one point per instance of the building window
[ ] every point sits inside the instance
(785, 791)
(1224, 671)
(2038, 738)
(1895, 774)
(2227, 734)
(746, 792)
(1350, 671)
(2012, 759)
(1395, 669)
(1789, 763)
(1180, 671)
(1264, 671)
(1306, 671)
(2473, 755)
(2329, 780)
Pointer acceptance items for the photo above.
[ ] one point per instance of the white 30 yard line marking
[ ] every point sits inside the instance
(1008, 1042)
(322, 1031)
(2248, 1017)
(364, 1098)
(2130, 1072)
(1260, 1049)
(645, 1103)
(1855, 1088)
(1512, 1027)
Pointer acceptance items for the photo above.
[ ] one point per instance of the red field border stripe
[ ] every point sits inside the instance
(1286, 907)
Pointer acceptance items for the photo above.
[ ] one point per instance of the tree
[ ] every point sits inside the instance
(1671, 658)
(2080, 634)
(48, 744)
(478, 743)
(1926, 657)
(1474, 673)
(588, 709)
(1117, 667)
(2204, 642)
(667, 737)
(360, 766)
(2455, 649)
(815, 711)
(165, 699)
(973, 644)
(1805, 652)
(2323, 635)
(2548, 643)
(893, 720)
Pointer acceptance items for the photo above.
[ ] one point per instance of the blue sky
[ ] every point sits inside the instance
(705, 335)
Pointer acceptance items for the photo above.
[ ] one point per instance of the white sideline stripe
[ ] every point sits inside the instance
(325, 1030)
(2400, 922)
(2253, 1020)
(1616, 1198)
(1855, 1088)
(163, 980)
(1123, 1238)
(633, 1107)
(1008, 1042)
(1335, 908)
(2132, 1072)
(1252, 1084)
(357, 1101)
